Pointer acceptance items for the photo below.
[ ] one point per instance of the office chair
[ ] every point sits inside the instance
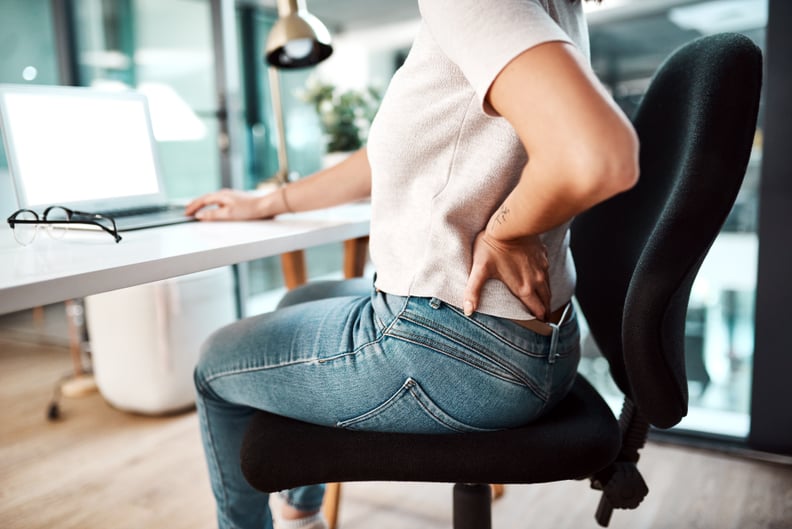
(637, 255)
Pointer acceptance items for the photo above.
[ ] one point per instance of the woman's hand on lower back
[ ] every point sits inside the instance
(521, 264)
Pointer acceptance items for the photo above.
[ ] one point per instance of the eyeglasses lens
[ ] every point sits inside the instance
(57, 214)
(25, 233)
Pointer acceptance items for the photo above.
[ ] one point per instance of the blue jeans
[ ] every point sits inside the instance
(369, 362)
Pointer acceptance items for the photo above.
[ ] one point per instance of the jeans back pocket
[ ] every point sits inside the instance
(409, 410)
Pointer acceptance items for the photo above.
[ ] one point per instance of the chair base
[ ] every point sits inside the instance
(472, 506)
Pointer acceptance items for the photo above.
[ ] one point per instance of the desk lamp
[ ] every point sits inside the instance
(297, 40)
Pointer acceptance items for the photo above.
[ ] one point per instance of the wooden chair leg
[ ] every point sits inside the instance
(293, 265)
(331, 502)
(38, 316)
(355, 254)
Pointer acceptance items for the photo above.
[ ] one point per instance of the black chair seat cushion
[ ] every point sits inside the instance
(577, 438)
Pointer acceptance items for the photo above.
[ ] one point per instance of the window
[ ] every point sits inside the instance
(28, 42)
(163, 49)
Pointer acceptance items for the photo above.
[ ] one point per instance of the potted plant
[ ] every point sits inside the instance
(345, 115)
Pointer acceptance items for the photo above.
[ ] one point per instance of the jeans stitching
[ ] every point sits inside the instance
(434, 346)
(497, 335)
(503, 338)
(416, 391)
(396, 316)
(459, 340)
(431, 414)
(411, 387)
(342, 354)
(380, 324)
(240, 371)
(223, 501)
(522, 383)
(353, 352)
(376, 410)
(202, 384)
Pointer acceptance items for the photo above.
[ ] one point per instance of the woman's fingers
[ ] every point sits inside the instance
(521, 265)
(478, 276)
(203, 201)
(226, 204)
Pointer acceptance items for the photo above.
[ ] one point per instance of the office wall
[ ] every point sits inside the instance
(179, 63)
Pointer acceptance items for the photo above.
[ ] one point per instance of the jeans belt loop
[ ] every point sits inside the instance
(553, 355)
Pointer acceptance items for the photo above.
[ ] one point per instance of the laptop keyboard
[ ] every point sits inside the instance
(148, 216)
(148, 210)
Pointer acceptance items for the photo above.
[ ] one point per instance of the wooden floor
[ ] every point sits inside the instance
(102, 468)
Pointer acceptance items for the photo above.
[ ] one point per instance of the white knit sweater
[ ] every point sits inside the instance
(442, 161)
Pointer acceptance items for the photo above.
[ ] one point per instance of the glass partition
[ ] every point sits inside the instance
(303, 141)
(301, 124)
(163, 49)
(28, 43)
(28, 57)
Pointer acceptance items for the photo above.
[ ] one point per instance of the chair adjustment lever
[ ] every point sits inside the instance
(621, 482)
(624, 488)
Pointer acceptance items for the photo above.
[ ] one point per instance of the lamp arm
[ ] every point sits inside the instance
(282, 175)
(287, 7)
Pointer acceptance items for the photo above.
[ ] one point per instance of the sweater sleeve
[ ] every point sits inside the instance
(482, 37)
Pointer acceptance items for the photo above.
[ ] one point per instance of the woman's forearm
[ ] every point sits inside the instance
(551, 193)
(345, 182)
(584, 151)
(581, 150)
(350, 180)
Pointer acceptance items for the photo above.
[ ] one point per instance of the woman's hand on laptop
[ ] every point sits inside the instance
(345, 182)
(230, 204)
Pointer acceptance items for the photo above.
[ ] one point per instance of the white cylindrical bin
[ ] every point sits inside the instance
(145, 340)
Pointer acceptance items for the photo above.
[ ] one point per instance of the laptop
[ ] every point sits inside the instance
(85, 149)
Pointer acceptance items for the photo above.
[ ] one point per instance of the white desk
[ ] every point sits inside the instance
(81, 264)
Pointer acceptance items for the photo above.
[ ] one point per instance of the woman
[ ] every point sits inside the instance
(491, 137)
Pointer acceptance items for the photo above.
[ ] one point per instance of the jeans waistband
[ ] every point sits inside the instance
(389, 308)
(545, 328)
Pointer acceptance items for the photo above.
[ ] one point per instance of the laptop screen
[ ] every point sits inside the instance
(79, 147)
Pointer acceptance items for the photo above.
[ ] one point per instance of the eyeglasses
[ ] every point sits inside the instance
(25, 223)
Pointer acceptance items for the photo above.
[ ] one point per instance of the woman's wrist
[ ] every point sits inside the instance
(500, 226)
(499, 240)
(270, 204)
(284, 199)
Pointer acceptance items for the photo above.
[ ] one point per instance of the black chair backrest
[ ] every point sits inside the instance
(637, 254)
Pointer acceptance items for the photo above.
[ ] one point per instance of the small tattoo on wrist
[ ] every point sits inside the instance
(500, 217)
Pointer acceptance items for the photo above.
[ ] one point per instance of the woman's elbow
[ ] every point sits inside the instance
(623, 169)
(610, 165)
